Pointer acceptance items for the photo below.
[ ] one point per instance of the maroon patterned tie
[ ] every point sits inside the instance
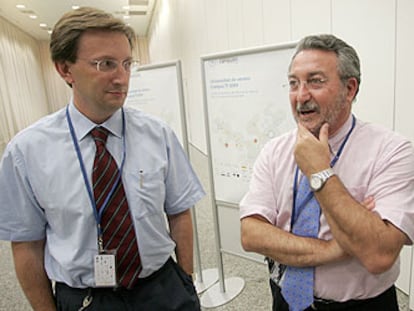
(118, 230)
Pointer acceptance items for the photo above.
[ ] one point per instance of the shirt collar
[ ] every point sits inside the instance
(336, 140)
(83, 125)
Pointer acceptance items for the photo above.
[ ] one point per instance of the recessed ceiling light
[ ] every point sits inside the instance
(43, 25)
(75, 7)
(20, 6)
(33, 16)
(127, 17)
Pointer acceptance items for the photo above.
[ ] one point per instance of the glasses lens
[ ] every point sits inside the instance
(293, 84)
(107, 65)
(130, 65)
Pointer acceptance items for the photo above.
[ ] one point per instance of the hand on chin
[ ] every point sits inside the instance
(313, 125)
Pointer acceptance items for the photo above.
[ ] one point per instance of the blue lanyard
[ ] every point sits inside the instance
(97, 214)
(333, 162)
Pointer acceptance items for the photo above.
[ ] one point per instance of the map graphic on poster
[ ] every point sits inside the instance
(248, 104)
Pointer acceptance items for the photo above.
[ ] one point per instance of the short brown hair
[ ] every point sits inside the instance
(67, 31)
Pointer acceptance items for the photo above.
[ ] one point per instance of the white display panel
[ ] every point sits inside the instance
(157, 90)
(246, 104)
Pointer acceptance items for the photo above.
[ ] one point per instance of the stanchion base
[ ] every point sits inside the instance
(209, 277)
(214, 297)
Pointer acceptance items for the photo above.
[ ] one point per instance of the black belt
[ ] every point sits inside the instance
(140, 281)
(331, 305)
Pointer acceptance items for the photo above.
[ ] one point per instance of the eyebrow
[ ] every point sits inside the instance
(310, 74)
(112, 58)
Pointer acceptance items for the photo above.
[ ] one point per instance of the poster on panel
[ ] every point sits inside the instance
(247, 105)
(157, 90)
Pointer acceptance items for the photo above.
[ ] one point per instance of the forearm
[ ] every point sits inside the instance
(181, 230)
(360, 232)
(261, 237)
(30, 271)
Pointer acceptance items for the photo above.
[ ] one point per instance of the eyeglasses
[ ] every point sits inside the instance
(311, 84)
(110, 65)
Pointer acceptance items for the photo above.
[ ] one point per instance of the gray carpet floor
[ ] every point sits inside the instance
(255, 295)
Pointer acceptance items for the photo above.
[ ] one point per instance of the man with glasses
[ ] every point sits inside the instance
(85, 192)
(330, 203)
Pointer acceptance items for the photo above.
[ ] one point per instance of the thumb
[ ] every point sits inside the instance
(324, 133)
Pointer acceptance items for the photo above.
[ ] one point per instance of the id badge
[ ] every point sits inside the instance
(105, 270)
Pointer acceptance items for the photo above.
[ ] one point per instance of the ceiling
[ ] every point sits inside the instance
(48, 12)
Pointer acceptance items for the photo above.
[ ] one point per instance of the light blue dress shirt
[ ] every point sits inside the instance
(43, 193)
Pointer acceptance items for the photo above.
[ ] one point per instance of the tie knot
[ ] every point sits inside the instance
(100, 135)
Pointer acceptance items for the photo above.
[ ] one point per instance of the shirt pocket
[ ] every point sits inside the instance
(146, 192)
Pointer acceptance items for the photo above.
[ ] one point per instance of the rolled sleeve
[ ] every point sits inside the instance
(260, 198)
(183, 188)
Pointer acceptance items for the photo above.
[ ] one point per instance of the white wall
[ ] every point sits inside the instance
(185, 30)
(404, 68)
(374, 39)
(381, 32)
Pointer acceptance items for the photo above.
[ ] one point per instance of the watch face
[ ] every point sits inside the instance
(315, 183)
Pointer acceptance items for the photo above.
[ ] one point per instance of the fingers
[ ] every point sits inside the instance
(312, 154)
(302, 130)
(324, 133)
(369, 203)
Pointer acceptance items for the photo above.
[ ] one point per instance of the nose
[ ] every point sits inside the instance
(120, 75)
(302, 93)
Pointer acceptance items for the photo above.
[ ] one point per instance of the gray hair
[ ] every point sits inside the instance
(348, 60)
(68, 30)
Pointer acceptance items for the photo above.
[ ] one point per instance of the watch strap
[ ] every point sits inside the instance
(322, 177)
(326, 174)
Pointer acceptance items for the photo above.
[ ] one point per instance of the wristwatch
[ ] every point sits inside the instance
(317, 180)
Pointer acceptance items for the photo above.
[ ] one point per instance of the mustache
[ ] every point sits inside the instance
(309, 106)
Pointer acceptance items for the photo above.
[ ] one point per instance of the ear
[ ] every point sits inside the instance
(352, 87)
(63, 68)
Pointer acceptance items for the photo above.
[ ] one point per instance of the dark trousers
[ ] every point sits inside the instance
(387, 301)
(168, 289)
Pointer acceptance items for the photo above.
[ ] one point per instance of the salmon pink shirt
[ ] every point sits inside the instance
(375, 162)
